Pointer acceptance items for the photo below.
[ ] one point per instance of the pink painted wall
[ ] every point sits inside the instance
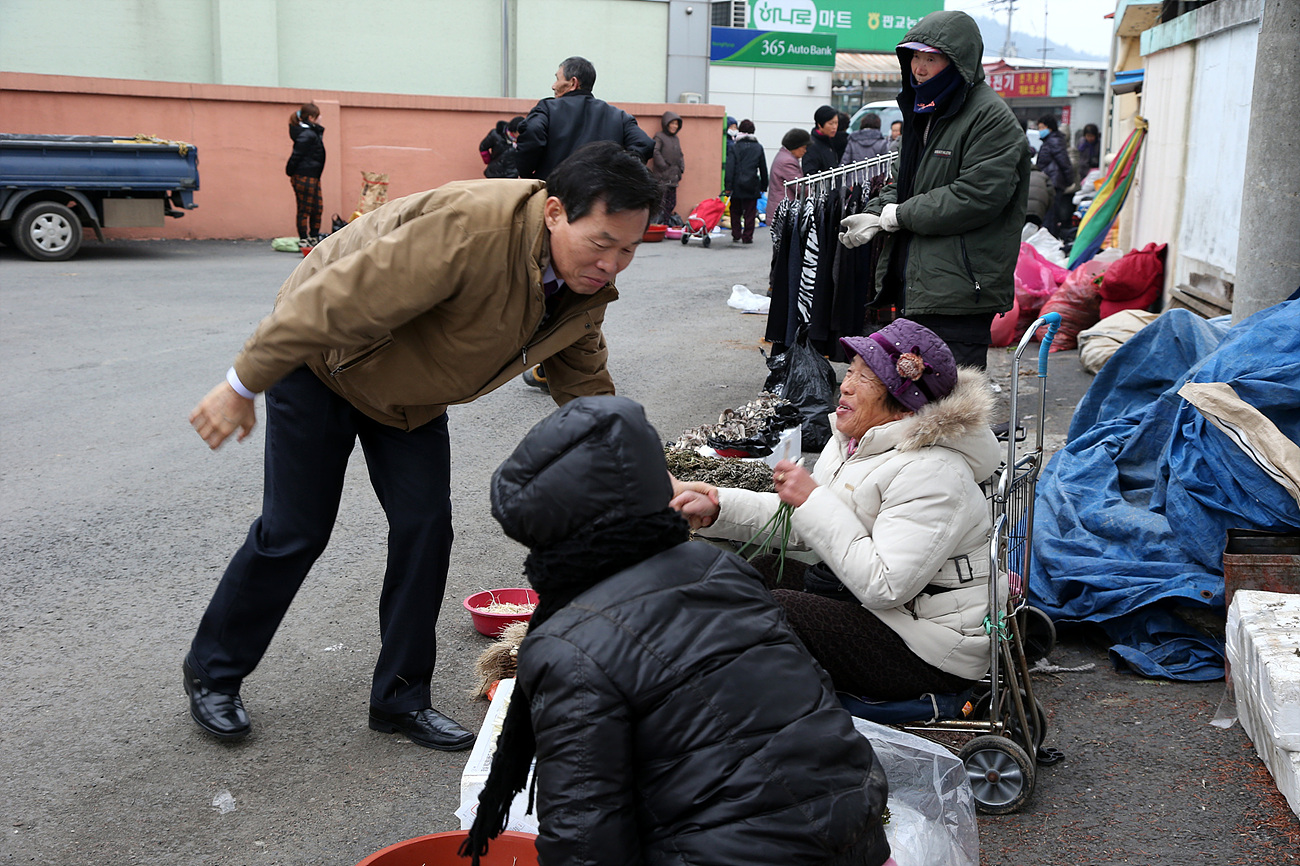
(243, 141)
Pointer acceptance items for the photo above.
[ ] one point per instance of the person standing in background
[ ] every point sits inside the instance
(556, 127)
(668, 163)
(866, 141)
(821, 153)
(895, 136)
(745, 180)
(1089, 148)
(304, 168)
(1054, 161)
(785, 167)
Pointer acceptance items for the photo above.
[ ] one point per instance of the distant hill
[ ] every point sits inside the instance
(1027, 44)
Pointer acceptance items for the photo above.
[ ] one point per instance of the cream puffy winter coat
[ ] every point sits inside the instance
(903, 523)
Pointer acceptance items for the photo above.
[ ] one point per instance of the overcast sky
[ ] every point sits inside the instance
(1077, 23)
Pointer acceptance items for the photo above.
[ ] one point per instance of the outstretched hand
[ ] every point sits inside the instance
(700, 509)
(221, 413)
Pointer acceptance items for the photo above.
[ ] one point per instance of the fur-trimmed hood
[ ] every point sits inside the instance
(959, 422)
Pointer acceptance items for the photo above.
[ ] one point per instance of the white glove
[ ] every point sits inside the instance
(889, 218)
(858, 229)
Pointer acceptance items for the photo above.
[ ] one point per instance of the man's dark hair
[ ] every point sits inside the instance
(602, 170)
(1049, 121)
(515, 122)
(581, 69)
(870, 121)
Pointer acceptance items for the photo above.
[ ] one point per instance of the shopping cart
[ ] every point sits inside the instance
(997, 729)
(702, 219)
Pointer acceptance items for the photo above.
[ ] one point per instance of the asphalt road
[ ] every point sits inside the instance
(116, 523)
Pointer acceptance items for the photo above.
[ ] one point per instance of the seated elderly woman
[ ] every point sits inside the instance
(893, 508)
(674, 716)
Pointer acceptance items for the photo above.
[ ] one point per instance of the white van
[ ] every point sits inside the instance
(887, 109)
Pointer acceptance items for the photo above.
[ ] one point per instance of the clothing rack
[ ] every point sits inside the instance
(863, 171)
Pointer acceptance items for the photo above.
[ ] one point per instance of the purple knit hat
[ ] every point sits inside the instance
(914, 364)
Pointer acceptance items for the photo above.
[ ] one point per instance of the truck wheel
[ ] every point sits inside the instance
(48, 232)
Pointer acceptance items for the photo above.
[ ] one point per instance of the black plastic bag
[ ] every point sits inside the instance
(802, 376)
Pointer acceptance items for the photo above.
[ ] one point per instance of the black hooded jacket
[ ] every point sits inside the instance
(502, 149)
(308, 157)
(678, 719)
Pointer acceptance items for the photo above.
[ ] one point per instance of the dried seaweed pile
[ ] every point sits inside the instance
(719, 471)
(753, 428)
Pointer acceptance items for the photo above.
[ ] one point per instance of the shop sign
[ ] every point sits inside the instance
(1012, 85)
(861, 25)
(736, 46)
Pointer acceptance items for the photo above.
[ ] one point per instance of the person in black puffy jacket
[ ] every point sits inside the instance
(674, 715)
(304, 170)
(746, 180)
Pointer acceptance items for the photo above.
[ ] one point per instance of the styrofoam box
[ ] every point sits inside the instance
(789, 447)
(479, 764)
(1263, 641)
(1263, 647)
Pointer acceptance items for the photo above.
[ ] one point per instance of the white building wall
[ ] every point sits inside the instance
(1157, 193)
(777, 100)
(1218, 129)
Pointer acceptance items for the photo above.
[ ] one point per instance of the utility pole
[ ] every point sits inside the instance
(1008, 47)
(1044, 32)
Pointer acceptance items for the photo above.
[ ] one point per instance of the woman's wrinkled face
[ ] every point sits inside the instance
(927, 64)
(862, 402)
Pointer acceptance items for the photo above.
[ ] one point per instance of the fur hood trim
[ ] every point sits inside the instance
(968, 409)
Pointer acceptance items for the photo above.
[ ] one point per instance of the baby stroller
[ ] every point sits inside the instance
(999, 724)
(702, 219)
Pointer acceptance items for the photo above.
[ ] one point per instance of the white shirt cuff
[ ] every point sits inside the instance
(233, 379)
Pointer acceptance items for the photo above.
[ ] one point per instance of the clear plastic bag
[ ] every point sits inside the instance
(931, 807)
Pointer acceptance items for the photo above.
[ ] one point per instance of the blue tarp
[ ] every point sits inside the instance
(1131, 517)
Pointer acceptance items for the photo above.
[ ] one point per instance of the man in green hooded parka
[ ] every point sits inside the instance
(955, 207)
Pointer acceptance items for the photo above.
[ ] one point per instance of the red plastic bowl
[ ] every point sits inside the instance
(491, 624)
(654, 233)
(441, 849)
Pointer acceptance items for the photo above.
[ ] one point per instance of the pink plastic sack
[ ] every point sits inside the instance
(1036, 279)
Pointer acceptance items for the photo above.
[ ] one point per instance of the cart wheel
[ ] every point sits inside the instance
(707, 240)
(48, 232)
(1037, 719)
(1039, 633)
(1000, 772)
(685, 238)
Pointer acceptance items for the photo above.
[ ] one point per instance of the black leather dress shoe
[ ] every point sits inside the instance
(427, 727)
(220, 714)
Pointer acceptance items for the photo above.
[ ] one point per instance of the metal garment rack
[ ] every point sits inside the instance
(833, 178)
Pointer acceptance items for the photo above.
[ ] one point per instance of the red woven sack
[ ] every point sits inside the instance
(1134, 281)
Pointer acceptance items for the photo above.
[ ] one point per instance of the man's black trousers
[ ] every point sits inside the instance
(310, 433)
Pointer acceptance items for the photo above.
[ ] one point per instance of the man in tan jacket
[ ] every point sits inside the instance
(433, 299)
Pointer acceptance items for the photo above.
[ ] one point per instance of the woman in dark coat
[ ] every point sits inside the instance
(821, 153)
(304, 170)
(746, 180)
(1054, 161)
(675, 717)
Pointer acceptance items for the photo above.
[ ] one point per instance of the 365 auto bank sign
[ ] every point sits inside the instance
(859, 25)
(746, 47)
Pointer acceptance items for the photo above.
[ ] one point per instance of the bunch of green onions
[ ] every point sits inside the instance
(779, 525)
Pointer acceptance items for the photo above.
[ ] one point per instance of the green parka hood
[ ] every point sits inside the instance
(955, 34)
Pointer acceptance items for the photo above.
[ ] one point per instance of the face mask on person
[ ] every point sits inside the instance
(1043, 133)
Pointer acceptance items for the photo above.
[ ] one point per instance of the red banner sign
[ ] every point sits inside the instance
(1014, 84)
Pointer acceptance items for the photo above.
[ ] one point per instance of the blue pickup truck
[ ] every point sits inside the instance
(51, 186)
